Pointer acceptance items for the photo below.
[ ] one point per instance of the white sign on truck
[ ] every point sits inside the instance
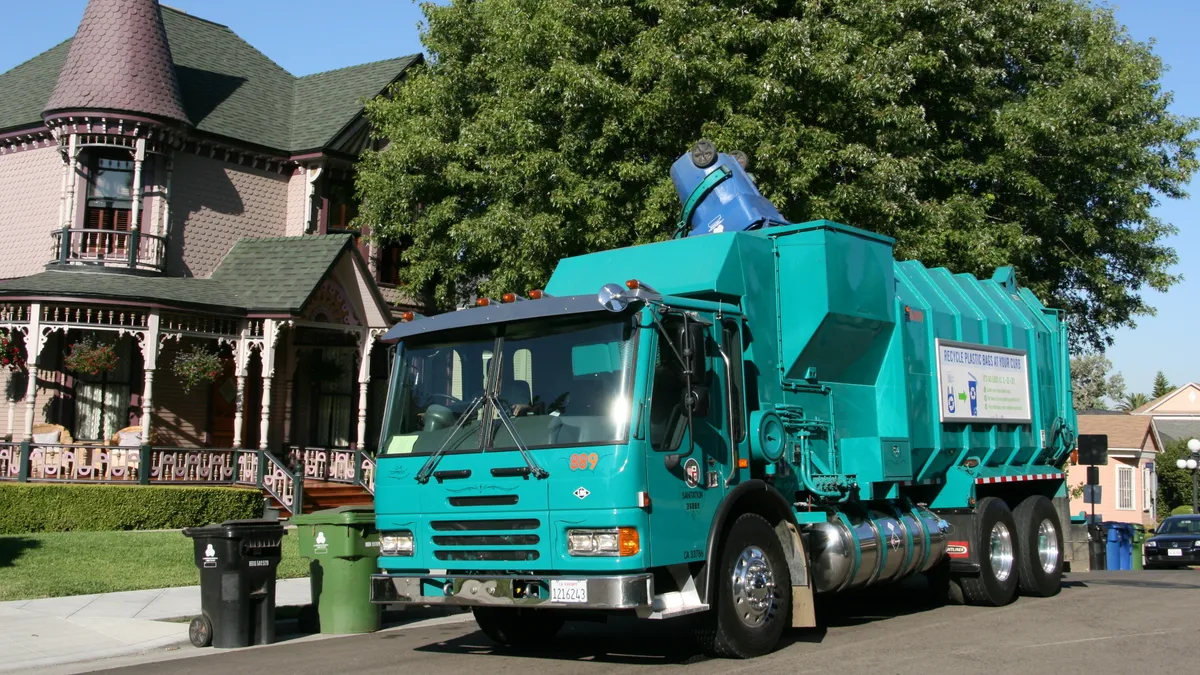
(983, 384)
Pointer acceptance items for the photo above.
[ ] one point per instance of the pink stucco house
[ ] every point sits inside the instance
(1129, 480)
(166, 185)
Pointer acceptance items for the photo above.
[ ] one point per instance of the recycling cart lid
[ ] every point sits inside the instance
(342, 515)
(236, 529)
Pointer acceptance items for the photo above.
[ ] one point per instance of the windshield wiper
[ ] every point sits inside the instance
(537, 471)
(427, 469)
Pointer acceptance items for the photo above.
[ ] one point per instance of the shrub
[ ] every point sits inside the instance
(1181, 511)
(33, 507)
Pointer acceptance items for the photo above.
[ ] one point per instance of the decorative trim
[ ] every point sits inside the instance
(28, 139)
(1018, 479)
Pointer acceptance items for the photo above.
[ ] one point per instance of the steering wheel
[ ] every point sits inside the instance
(452, 400)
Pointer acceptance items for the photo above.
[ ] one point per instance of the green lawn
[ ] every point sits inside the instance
(79, 563)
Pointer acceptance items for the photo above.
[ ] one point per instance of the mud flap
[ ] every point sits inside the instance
(804, 614)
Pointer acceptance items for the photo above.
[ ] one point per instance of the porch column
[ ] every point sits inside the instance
(367, 340)
(139, 156)
(271, 330)
(149, 347)
(237, 409)
(289, 377)
(34, 341)
(241, 355)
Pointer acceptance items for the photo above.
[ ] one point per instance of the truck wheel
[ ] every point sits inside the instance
(517, 627)
(753, 592)
(997, 546)
(1040, 546)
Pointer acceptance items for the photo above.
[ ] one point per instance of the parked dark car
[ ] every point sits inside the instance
(1176, 543)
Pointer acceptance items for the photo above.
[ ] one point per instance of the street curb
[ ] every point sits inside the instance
(131, 650)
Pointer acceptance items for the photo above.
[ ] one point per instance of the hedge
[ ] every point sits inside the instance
(1181, 511)
(33, 507)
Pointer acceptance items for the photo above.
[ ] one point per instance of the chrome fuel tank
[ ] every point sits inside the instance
(861, 545)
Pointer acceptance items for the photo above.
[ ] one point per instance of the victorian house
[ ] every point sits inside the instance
(168, 190)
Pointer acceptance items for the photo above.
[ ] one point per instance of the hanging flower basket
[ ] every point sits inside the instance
(196, 367)
(90, 357)
(10, 353)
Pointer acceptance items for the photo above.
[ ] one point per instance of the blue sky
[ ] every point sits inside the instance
(369, 30)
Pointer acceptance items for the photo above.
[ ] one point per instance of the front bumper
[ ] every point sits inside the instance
(1161, 557)
(617, 592)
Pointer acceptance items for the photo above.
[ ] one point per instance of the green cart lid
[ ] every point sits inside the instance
(342, 515)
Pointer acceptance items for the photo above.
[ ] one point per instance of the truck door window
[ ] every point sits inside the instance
(731, 344)
(667, 420)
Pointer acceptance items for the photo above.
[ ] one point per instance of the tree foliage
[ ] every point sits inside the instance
(1174, 484)
(1091, 382)
(1162, 386)
(1132, 402)
(978, 133)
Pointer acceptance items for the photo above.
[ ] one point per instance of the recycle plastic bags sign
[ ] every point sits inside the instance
(983, 384)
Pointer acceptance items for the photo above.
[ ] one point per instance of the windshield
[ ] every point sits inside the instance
(1180, 526)
(560, 383)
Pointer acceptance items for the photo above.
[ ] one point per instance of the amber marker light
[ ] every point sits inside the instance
(630, 543)
(407, 316)
(633, 284)
(508, 297)
(482, 302)
(535, 294)
(743, 463)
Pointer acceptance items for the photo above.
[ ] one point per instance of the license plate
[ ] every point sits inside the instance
(1175, 552)
(568, 590)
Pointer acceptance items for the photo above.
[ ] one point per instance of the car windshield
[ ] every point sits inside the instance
(560, 383)
(1180, 526)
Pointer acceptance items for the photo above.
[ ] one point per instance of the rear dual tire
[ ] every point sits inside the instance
(1019, 550)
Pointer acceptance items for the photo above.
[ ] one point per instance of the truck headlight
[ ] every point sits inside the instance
(613, 541)
(396, 543)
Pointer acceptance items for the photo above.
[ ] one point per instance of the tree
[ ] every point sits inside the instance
(1174, 484)
(1162, 386)
(1091, 383)
(978, 133)
(1133, 402)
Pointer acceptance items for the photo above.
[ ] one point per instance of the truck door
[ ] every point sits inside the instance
(686, 487)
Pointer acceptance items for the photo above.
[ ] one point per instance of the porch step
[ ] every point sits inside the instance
(319, 495)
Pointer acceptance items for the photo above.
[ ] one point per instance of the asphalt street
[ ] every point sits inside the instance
(1102, 623)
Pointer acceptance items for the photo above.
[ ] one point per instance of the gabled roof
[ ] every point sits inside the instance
(1152, 407)
(119, 61)
(1123, 431)
(1171, 431)
(274, 275)
(229, 89)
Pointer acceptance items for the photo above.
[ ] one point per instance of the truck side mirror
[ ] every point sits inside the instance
(697, 400)
(693, 345)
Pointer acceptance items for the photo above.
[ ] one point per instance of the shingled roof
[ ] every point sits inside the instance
(272, 274)
(119, 61)
(228, 88)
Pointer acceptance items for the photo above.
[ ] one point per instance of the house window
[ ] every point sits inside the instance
(1125, 487)
(102, 401)
(343, 205)
(335, 397)
(389, 264)
(109, 204)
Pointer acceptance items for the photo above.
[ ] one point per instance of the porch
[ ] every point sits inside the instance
(292, 388)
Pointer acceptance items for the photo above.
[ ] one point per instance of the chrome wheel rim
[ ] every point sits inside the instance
(753, 586)
(1001, 554)
(1047, 546)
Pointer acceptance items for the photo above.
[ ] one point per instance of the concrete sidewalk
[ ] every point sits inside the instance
(54, 631)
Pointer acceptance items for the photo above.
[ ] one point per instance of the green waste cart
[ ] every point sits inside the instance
(1139, 539)
(343, 547)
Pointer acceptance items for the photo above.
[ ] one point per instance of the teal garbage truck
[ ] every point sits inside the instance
(724, 425)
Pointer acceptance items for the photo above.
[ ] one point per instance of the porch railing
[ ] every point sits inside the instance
(109, 248)
(77, 463)
(337, 465)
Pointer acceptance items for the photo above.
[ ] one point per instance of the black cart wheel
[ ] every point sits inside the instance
(753, 593)
(1040, 547)
(200, 631)
(518, 627)
(998, 549)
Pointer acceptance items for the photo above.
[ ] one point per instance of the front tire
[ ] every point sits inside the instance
(1040, 546)
(518, 627)
(996, 541)
(753, 592)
